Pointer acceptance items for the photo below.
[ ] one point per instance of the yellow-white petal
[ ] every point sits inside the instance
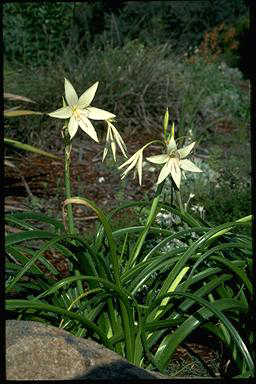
(110, 140)
(187, 165)
(172, 146)
(105, 151)
(133, 163)
(158, 159)
(99, 114)
(183, 152)
(108, 137)
(72, 126)
(88, 128)
(165, 171)
(86, 98)
(61, 113)
(130, 160)
(176, 172)
(139, 168)
(119, 140)
(113, 147)
(70, 93)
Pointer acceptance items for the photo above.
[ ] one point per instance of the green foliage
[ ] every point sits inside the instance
(218, 197)
(42, 31)
(154, 22)
(36, 32)
(142, 307)
(219, 207)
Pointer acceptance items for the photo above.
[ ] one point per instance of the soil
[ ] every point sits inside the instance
(97, 180)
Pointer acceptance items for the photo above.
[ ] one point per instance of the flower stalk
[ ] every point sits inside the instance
(150, 219)
(70, 218)
(178, 197)
(67, 159)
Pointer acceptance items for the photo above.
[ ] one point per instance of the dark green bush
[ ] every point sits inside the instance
(36, 32)
(43, 30)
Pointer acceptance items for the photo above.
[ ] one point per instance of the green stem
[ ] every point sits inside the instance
(180, 204)
(70, 218)
(150, 219)
(178, 197)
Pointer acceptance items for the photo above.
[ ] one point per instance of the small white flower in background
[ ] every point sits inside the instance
(79, 111)
(191, 196)
(200, 209)
(113, 137)
(101, 179)
(151, 169)
(173, 161)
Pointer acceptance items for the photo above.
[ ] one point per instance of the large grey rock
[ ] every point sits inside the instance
(35, 351)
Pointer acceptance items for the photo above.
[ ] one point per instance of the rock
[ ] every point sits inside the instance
(35, 351)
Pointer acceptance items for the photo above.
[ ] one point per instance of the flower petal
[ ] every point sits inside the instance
(113, 147)
(165, 171)
(72, 126)
(88, 128)
(176, 172)
(183, 152)
(99, 114)
(105, 151)
(70, 93)
(187, 165)
(133, 162)
(61, 113)
(171, 146)
(139, 168)
(112, 143)
(158, 159)
(118, 139)
(130, 160)
(86, 98)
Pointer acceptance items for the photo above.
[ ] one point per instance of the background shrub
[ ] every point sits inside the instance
(43, 31)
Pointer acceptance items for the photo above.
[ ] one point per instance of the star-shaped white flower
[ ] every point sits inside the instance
(113, 137)
(173, 162)
(79, 111)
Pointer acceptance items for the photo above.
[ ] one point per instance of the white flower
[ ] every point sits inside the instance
(79, 111)
(135, 160)
(173, 162)
(112, 138)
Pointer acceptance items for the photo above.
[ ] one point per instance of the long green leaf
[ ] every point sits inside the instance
(18, 254)
(217, 231)
(23, 216)
(16, 238)
(236, 270)
(30, 148)
(20, 112)
(170, 343)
